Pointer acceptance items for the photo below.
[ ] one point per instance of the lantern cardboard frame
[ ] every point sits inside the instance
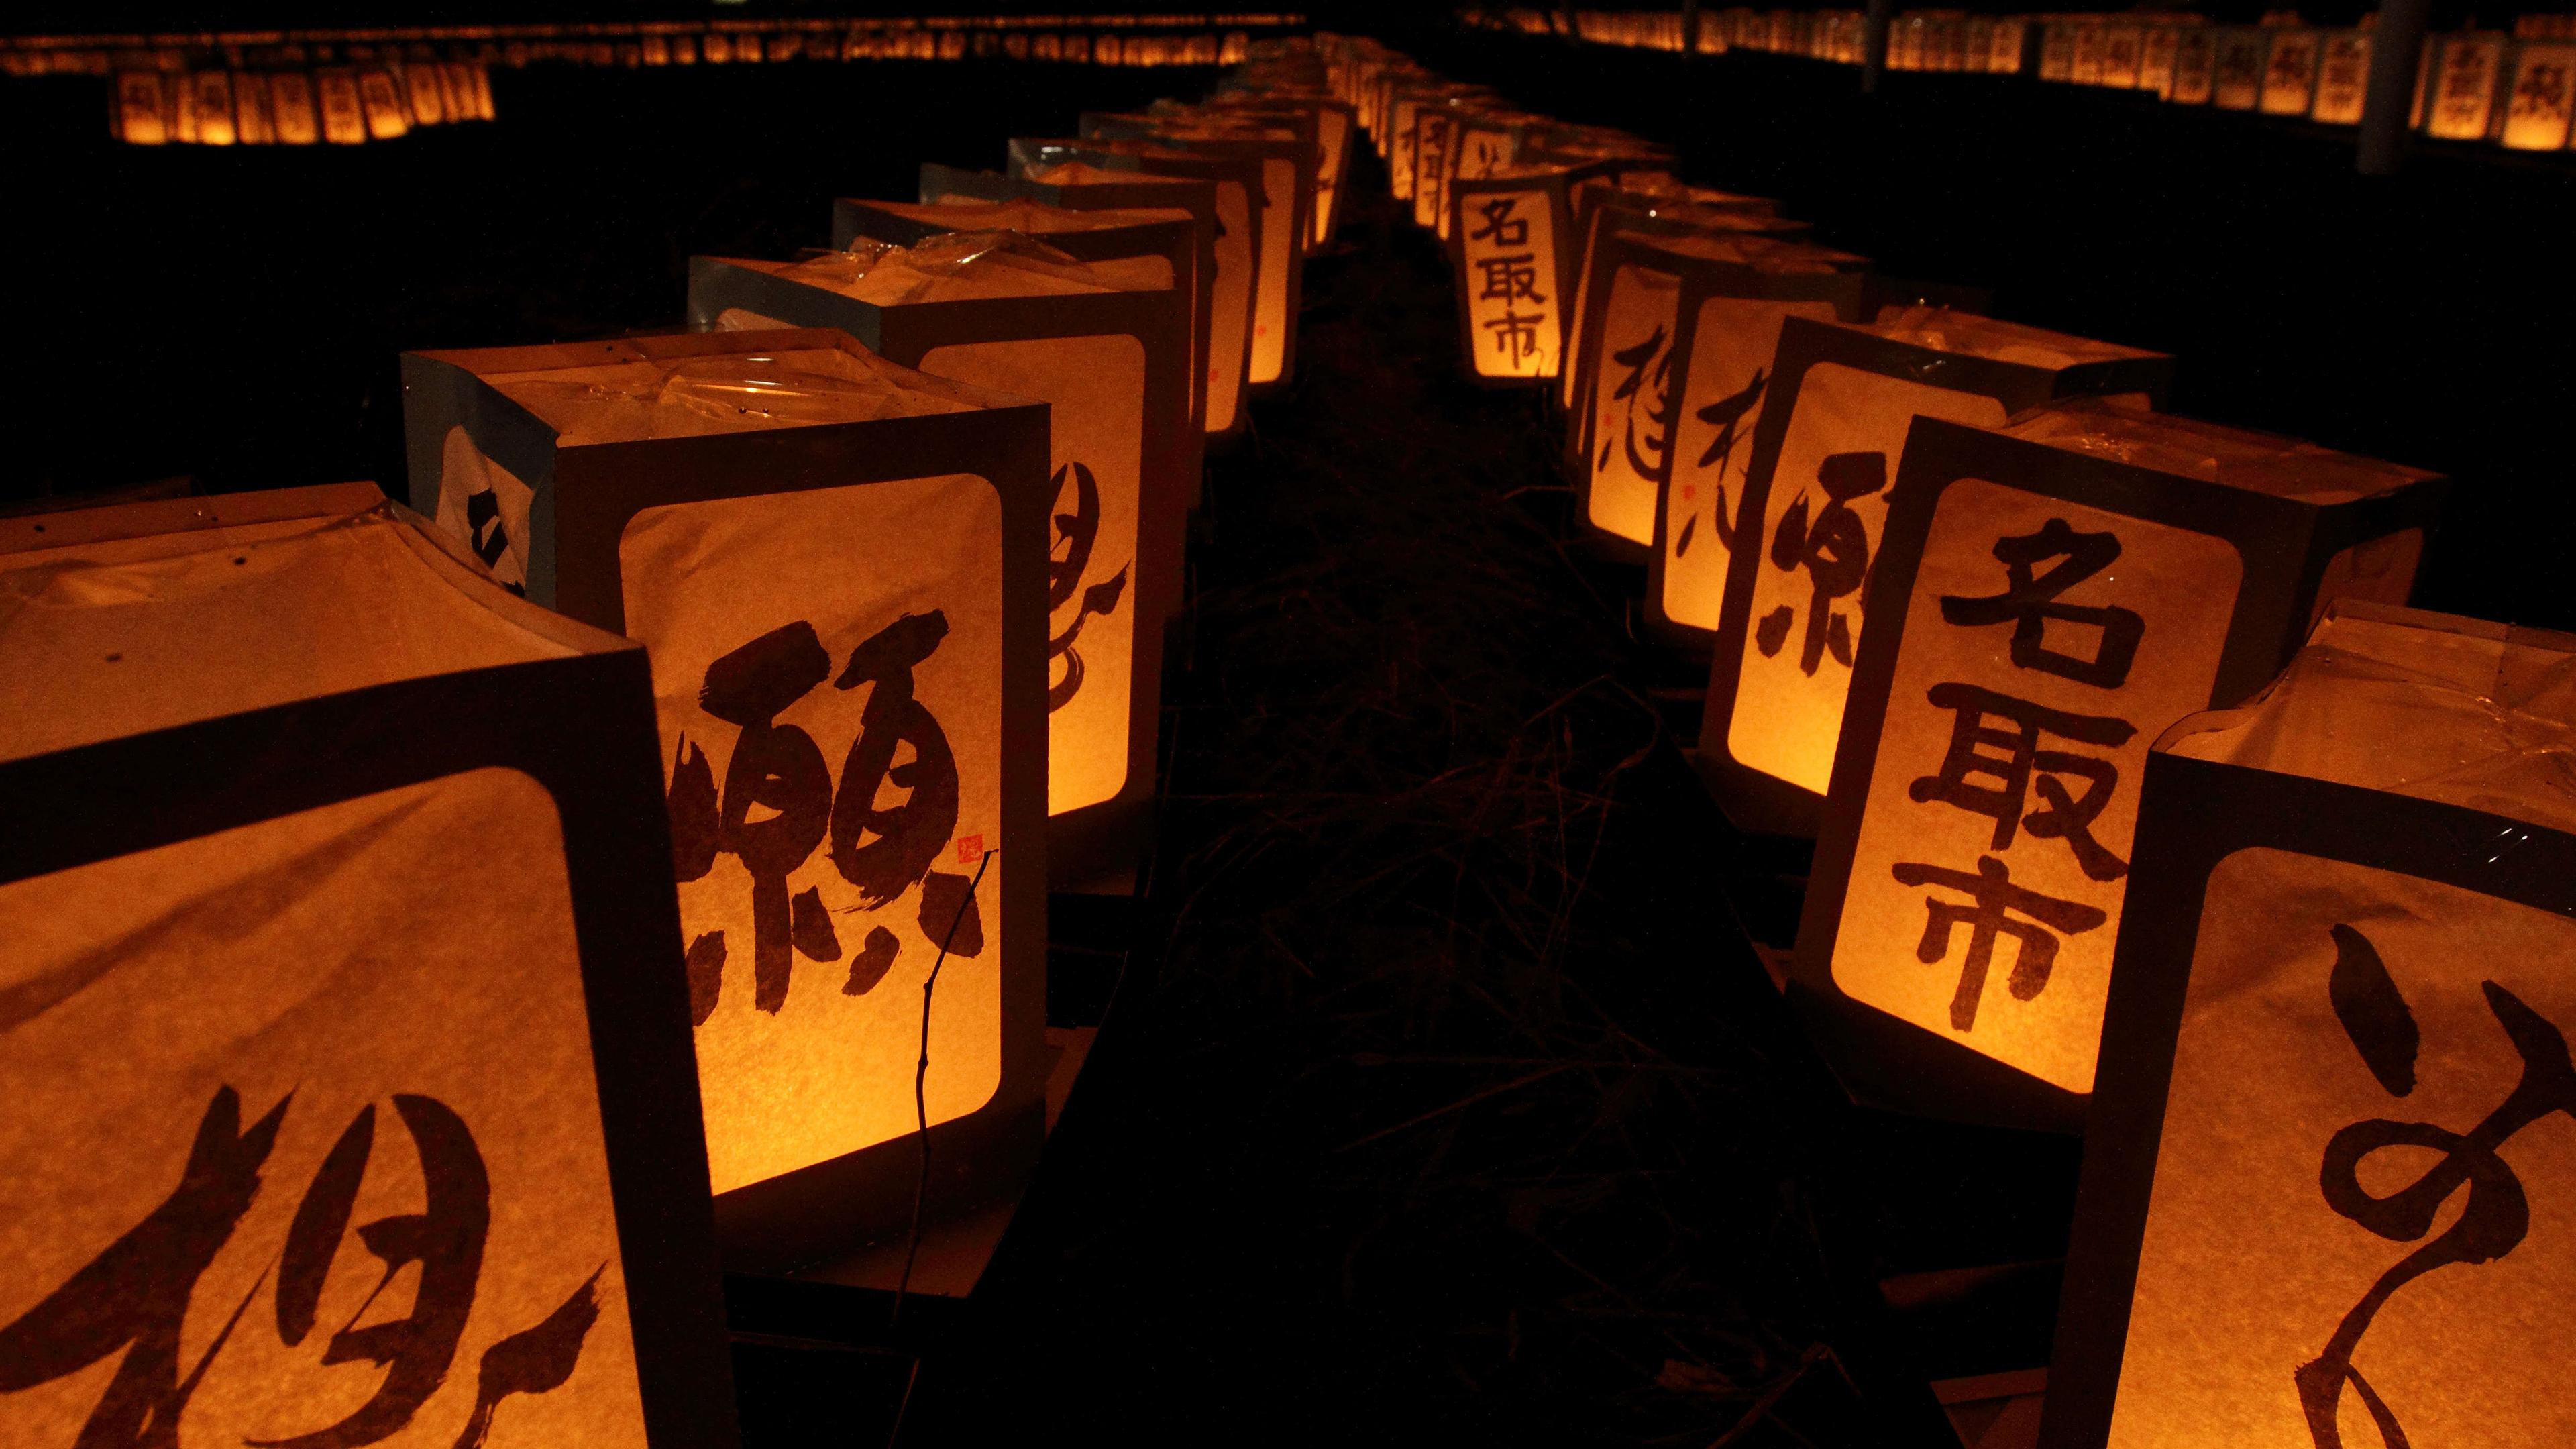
(1604, 211)
(581, 728)
(1283, 260)
(1752, 800)
(1697, 279)
(2285, 545)
(1096, 849)
(586, 495)
(1034, 153)
(1332, 158)
(2193, 815)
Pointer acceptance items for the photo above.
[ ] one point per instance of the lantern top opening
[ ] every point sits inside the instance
(2426, 705)
(2128, 432)
(964, 266)
(742, 388)
(155, 615)
(1942, 330)
(1762, 254)
(1083, 173)
(1033, 218)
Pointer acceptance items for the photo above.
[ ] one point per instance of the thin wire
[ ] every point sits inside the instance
(920, 1103)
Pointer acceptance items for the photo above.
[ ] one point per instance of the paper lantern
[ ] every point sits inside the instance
(2046, 598)
(2195, 66)
(2238, 58)
(2123, 49)
(1335, 122)
(2343, 77)
(1106, 347)
(1287, 184)
(2341, 999)
(1790, 428)
(2465, 71)
(2290, 71)
(1654, 292)
(2156, 59)
(836, 563)
(2537, 105)
(1234, 286)
(343, 981)
(1514, 267)
(1604, 206)
(1078, 186)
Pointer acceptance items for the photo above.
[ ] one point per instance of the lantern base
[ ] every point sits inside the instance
(1756, 803)
(1894, 1065)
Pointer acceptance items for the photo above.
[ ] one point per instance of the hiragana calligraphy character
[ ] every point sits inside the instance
(2022, 766)
(2496, 1217)
(2028, 602)
(1992, 895)
(1834, 550)
(1501, 227)
(1076, 533)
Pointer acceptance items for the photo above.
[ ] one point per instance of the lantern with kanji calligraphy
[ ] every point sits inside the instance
(839, 566)
(1791, 427)
(2464, 72)
(1604, 206)
(342, 981)
(2538, 104)
(1629, 399)
(2343, 77)
(1285, 164)
(2046, 598)
(1235, 254)
(2327, 1174)
(1515, 270)
(1104, 345)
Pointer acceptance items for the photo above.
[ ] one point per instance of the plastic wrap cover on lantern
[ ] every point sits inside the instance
(2327, 1182)
(2046, 599)
(342, 980)
(1235, 284)
(1080, 186)
(1285, 177)
(1628, 400)
(1103, 345)
(832, 560)
(1791, 425)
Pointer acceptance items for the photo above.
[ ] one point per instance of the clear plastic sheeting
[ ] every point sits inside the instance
(1029, 218)
(2412, 703)
(629, 401)
(2128, 431)
(1762, 254)
(1968, 335)
(967, 266)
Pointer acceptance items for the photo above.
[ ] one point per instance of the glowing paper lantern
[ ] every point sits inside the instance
(343, 980)
(1791, 428)
(2290, 71)
(2046, 599)
(832, 560)
(2537, 104)
(1514, 268)
(1604, 206)
(2466, 70)
(2195, 66)
(139, 109)
(1336, 124)
(1286, 171)
(1234, 284)
(2238, 60)
(2343, 77)
(1653, 292)
(1106, 347)
(2325, 1176)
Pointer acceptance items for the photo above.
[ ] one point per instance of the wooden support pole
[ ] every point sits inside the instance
(2396, 49)
(1873, 54)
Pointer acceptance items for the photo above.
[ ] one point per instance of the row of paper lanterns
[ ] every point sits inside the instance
(635, 859)
(342, 105)
(2517, 91)
(2143, 807)
(656, 44)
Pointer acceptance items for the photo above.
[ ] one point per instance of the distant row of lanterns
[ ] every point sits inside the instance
(2142, 807)
(2514, 90)
(340, 105)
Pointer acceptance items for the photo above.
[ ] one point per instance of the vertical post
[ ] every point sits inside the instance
(1873, 43)
(2396, 51)
(1690, 28)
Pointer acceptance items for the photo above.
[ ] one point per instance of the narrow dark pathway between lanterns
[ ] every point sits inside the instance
(1458, 1107)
